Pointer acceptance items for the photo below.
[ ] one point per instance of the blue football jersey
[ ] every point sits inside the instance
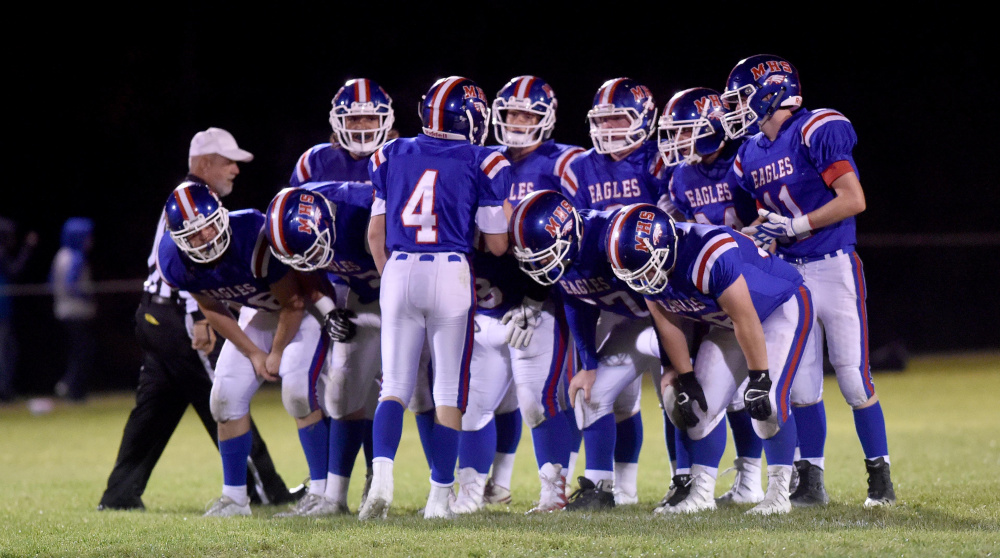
(324, 162)
(352, 263)
(589, 286)
(596, 181)
(791, 175)
(710, 258)
(432, 189)
(541, 169)
(707, 193)
(243, 275)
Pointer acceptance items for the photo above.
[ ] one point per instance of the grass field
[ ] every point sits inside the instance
(942, 413)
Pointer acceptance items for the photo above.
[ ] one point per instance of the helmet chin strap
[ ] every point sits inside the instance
(775, 102)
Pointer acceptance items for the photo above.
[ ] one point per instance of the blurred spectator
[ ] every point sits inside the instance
(75, 307)
(13, 256)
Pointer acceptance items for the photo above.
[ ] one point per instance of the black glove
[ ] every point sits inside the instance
(689, 391)
(338, 325)
(756, 397)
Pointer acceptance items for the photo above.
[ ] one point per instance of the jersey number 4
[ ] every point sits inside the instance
(419, 209)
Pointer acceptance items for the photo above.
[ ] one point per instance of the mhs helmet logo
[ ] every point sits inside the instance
(640, 91)
(548, 91)
(306, 208)
(708, 104)
(765, 68)
(643, 226)
(559, 228)
(474, 92)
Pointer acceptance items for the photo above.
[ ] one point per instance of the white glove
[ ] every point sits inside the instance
(777, 227)
(521, 321)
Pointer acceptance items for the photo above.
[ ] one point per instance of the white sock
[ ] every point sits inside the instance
(237, 494)
(702, 469)
(503, 469)
(317, 486)
(597, 476)
(572, 463)
(626, 477)
(336, 488)
(817, 461)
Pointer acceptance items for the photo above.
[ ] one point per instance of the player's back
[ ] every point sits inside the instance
(432, 189)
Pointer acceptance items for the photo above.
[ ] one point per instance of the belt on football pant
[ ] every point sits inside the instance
(809, 259)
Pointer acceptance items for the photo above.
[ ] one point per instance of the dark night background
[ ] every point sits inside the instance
(101, 108)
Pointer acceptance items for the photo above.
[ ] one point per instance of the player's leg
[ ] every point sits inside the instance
(846, 322)
(509, 423)
(749, 448)
(233, 386)
(537, 371)
(353, 369)
(786, 332)
(450, 309)
(490, 380)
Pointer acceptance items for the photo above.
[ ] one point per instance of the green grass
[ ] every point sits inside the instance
(942, 415)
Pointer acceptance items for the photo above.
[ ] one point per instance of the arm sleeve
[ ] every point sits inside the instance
(582, 321)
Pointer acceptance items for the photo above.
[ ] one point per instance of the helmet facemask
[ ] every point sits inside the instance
(613, 140)
(189, 240)
(522, 135)
(361, 141)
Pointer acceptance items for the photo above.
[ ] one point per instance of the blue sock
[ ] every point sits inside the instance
(670, 437)
(683, 444)
(444, 454)
(780, 448)
(315, 440)
(810, 421)
(746, 440)
(551, 440)
(387, 429)
(708, 450)
(628, 439)
(476, 448)
(425, 426)
(508, 429)
(870, 424)
(346, 438)
(235, 452)
(575, 435)
(367, 443)
(599, 440)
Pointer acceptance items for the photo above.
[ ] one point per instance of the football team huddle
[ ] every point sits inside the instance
(483, 287)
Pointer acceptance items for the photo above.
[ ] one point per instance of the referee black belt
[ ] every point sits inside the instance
(150, 298)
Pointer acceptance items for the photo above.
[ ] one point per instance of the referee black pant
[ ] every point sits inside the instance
(172, 377)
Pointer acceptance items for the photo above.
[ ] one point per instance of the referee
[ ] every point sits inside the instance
(176, 372)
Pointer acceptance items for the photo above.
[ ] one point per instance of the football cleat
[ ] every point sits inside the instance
(227, 507)
(496, 494)
(471, 486)
(367, 488)
(623, 498)
(327, 507)
(700, 497)
(746, 486)
(810, 490)
(776, 498)
(439, 503)
(880, 491)
(379, 498)
(680, 485)
(553, 495)
(303, 506)
(590, 496)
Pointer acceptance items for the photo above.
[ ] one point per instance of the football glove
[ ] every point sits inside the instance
(757, 395)
(688, 392)
(780, 227)
(521, 321)
(338, 325)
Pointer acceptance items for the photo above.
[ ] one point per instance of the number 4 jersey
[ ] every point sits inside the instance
(243, 275)
(433, 191)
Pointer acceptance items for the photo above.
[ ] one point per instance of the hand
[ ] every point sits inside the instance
(757, 395)
(202, 336)
(780, 227)
(259, 360)
(688, 392)
(762, 240)
(667, 379)
(338, 325)
(582, 381)
(272, 364)
(521, 321)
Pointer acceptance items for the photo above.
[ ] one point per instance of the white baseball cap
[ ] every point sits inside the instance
(217, 140)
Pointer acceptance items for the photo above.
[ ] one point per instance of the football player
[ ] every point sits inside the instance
(222, 259)
(691, 139)
(362, 119)
(429, 191)
(557, 244)
(762, 315)
(800, 169)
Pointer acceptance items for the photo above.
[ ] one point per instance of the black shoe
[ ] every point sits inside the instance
(680, 487)
(880, 492)
(127, 505)
(290, 496)
(811, 490)
(590, 496)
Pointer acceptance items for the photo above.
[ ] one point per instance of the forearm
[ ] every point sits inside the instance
(289, 320)
(751, 339)
(222, 322)
(376, 241)
(850, 201)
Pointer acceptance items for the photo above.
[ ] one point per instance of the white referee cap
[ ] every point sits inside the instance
(217, 140)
